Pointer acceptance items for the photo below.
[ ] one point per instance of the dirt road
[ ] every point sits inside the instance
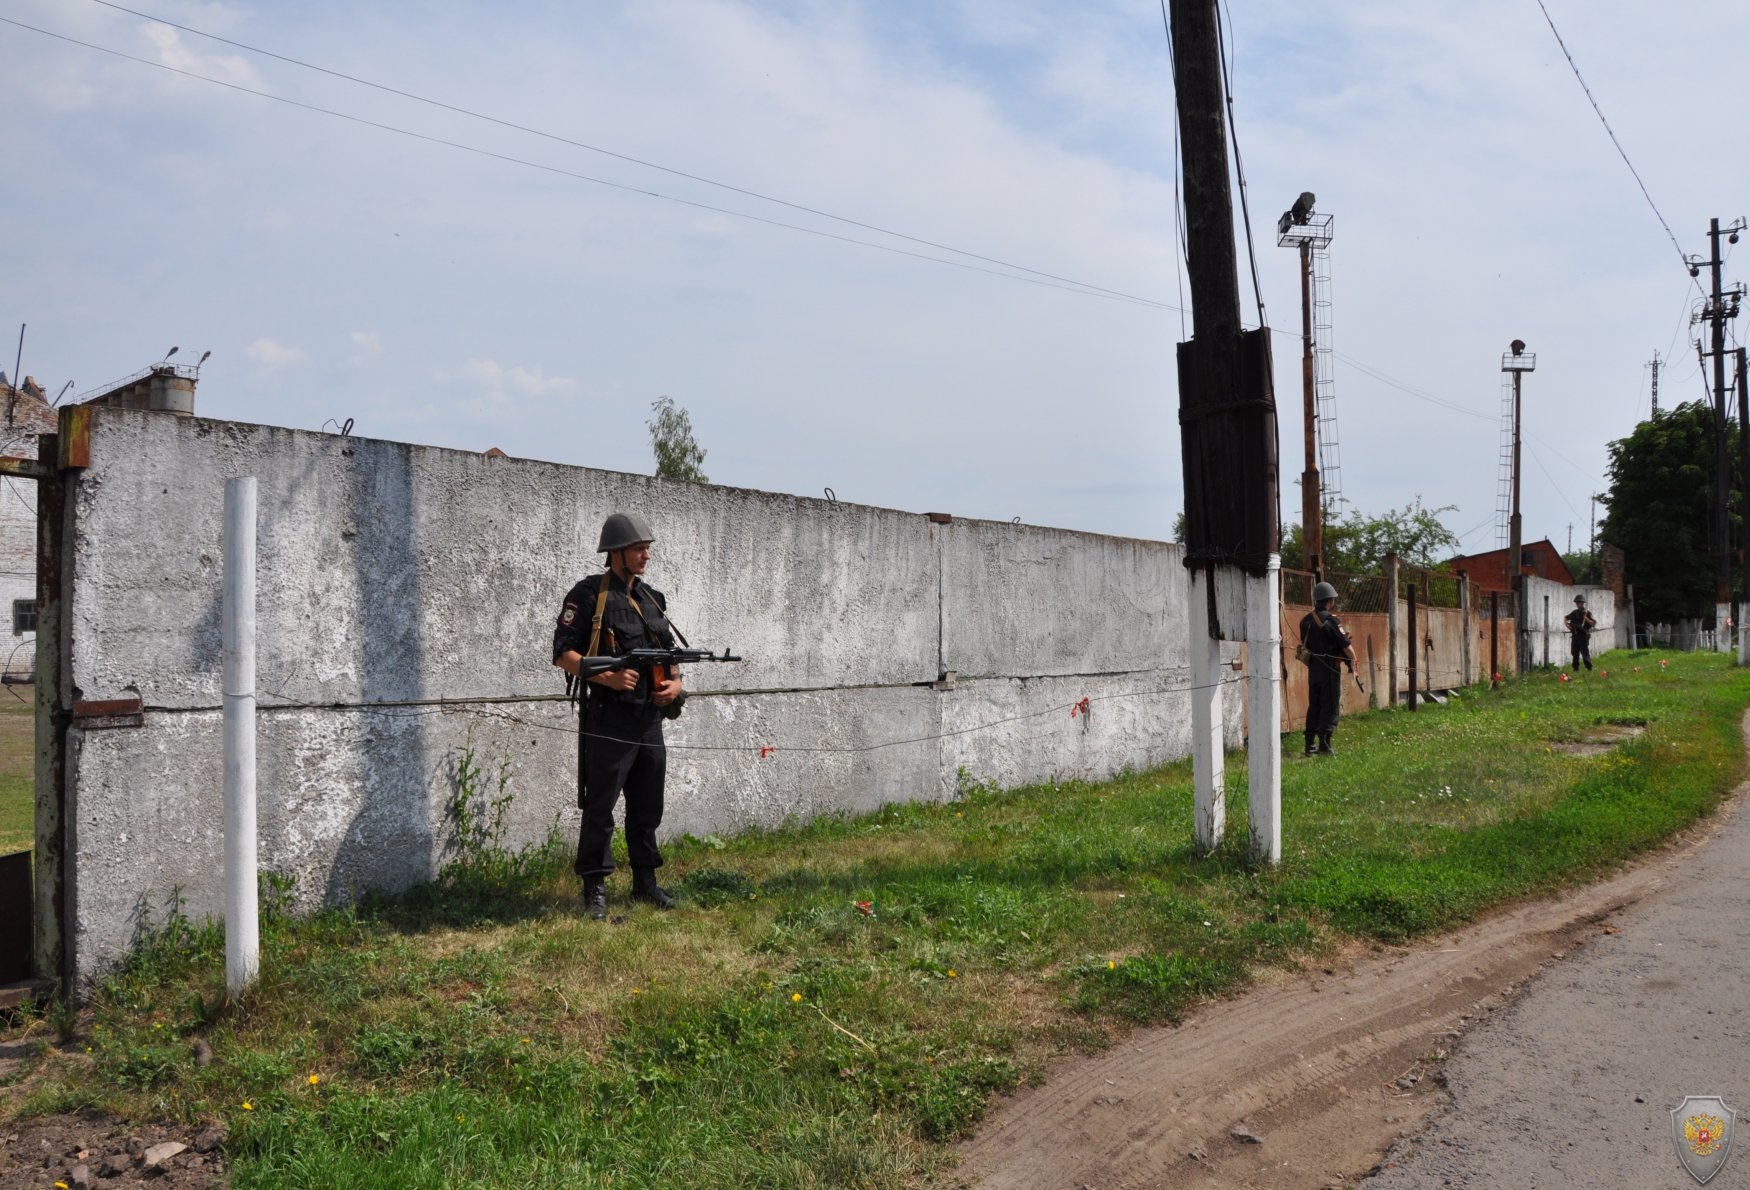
(1311, 1082)
(1574, 1086)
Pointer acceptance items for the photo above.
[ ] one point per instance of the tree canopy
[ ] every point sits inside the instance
(1660, 511)
(1358, 543)
(678, 453)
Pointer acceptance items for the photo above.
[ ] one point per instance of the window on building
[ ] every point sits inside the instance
(23, 616)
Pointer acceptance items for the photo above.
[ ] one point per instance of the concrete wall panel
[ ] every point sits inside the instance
(392, 574)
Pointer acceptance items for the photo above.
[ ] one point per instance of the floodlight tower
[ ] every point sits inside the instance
(1517, 362)
(1300, 228)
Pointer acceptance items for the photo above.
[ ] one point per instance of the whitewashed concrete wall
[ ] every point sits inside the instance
(1600, 601)
(398, 574)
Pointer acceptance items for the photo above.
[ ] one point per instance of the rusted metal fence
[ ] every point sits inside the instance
(1453, 628)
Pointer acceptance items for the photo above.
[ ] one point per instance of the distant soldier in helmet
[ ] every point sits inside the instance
(1580, 626)
(1326, 649)
(620, 746)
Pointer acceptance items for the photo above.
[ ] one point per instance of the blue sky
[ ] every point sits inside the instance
(438, 296)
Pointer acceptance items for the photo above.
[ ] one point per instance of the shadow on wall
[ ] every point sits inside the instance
(388, 843)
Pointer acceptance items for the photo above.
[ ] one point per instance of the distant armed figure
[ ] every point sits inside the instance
(1325, 648)
(1580, 626)
(620, 745)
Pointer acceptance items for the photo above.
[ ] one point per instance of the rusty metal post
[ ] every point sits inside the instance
(1312, 529)
(50, 955)
(1466, 669)
(1391, 629)
(1494, 639)
(1410, 640)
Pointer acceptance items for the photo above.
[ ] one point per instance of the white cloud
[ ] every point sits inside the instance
(274, 355)
(368, 341)
(495, 378)
(172, 53)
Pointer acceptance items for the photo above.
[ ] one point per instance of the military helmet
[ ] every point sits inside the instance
(1323, 591)
(622, 529)
(1580, 599)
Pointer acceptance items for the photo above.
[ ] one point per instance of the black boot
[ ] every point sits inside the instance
(644, 888)
(1325, 748)
(1311, 740)
(595, 897)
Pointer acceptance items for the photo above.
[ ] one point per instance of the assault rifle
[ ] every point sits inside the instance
(660, 660)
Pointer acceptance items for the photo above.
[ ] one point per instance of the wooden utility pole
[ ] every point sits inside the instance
(1227, 432)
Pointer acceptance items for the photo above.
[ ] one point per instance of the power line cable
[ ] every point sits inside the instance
(1590, 98)
(1070, 287)
(577, 144)
(1180, 248)
(1239, 162)
(1536, 458)
(1402, 387)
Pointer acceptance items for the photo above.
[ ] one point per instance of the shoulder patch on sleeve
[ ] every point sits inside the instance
(569, 615)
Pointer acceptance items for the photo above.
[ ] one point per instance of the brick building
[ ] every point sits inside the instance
(1488, 571)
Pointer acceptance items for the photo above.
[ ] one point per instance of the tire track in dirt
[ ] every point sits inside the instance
(1308, 1065)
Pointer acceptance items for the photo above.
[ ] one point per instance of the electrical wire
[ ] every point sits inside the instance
(1070, 287)
(479, 709)
(1180, 247)
(1536, 458)
(1590, 98)
(1239, 162)
(1402, 387)
(577, 144)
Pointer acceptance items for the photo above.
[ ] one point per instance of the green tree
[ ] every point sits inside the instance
(1358, 543)
(1583, 566)
(678, 453)
(1661, 511)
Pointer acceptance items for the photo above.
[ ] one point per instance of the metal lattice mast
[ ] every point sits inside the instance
(1504, 486)
(1321, 482)
(1325, 382)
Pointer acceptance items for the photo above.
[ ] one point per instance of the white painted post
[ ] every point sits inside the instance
(242, 913)
(1722, 631)
(1206, 725)
(1264, 707)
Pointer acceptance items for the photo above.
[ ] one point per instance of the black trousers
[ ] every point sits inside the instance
(620, 750)
(1582, 648)
(1324, 703)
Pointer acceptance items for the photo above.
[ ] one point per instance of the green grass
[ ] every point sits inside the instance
(770, 1033)
(17, 771)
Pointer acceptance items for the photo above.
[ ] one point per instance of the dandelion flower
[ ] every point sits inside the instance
(314, 1079)
(60, 1186)
(794, 996)
(1111, 966)
(525, 1041)
(248, 1106)
(953, 974)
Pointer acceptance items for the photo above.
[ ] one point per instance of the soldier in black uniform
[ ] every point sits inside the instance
(1580, 626)
(620, 745)
(1326, 648)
